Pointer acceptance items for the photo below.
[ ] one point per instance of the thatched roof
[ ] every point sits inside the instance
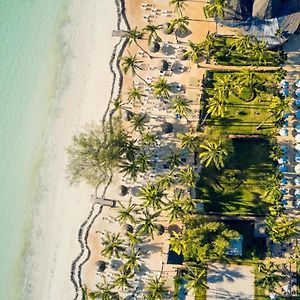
(163, 65)
(265, 9)
(167, 127)
(127, 115)
(154, 47)
(128, 228)
(123, 190)
(101, 265)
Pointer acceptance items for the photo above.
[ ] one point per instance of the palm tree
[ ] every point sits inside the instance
(133, 260)
(177, 243)
(152, 196)
(113, 245)
(126, 214)
(194, 51)
(248, 78)
(279, 74)
(217, 106)
(179, 5)
(277, 109)
(187, 176)
(179, 25)
(175, 207)
(133, 239)
(147, 223)
(224, 86)
(268, 277)
(135, 94)
(133, 35)
(104, 292)
(188, 141)
(166, 181)
(215, 9)
(174, 159)
(130, 168)
(259, 51)
(152, 29)
(208, 46)
(122, 278)
(213, 153)
(143, 161)
(155, 289)
(181, 106)
(241, 43)
(138, 122)
(148, 139)
(196, 278)
(131, 62)
(161, 88)
(188, 204)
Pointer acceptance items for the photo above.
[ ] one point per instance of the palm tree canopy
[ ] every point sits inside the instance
(161, 88)
(179, 5)
(215, 9)
(152, 196)
(113, 245)
(156, 289)
(130, 62)
(213, 153)
(217, 106)
(196, 278)
(181, 105)
(152, 29)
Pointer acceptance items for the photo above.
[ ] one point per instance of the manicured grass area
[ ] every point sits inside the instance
(238, 189)
(241, 117)
(253, 248)
(233, 58)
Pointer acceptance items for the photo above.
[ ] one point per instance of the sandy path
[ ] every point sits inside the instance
(63, 208)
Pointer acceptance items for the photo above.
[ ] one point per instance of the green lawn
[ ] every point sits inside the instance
(241, 117)
(234, 58)
(239, 187)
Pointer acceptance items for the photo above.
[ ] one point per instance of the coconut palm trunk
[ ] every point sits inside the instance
(264, 121)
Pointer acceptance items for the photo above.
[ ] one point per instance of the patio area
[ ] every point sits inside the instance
(230, 282)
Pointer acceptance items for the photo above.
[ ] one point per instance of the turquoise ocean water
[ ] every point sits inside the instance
(29, 62)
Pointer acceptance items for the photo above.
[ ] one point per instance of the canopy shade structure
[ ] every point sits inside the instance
(297, 102)
(297, 180)
(163, 65)
(284, 83)
(167, 127)
(283, 181)
(297, 168)
(284, 92)
(282, 160)
(154, 47)
(122, 190)
(282, 168)
(283, 132)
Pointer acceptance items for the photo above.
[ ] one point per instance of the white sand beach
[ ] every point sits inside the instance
(83, 98)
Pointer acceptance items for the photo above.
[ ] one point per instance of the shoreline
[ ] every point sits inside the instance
(62, 208)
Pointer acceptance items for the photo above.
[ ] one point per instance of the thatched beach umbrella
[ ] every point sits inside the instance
(135, 191)
(160, 229)
(128, 228)
(154, 47)
(167, 127)
(163, 65)
(101, 265)
(166, 28)
(173, 228)
(122, 190)
(127, 115)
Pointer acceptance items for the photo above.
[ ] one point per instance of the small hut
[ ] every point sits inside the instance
(122, 190)
(163, 65)
(167, 127)
(154, 47)
(101, 266)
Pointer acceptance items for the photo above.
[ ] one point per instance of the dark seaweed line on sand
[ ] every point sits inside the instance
(121, 14)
